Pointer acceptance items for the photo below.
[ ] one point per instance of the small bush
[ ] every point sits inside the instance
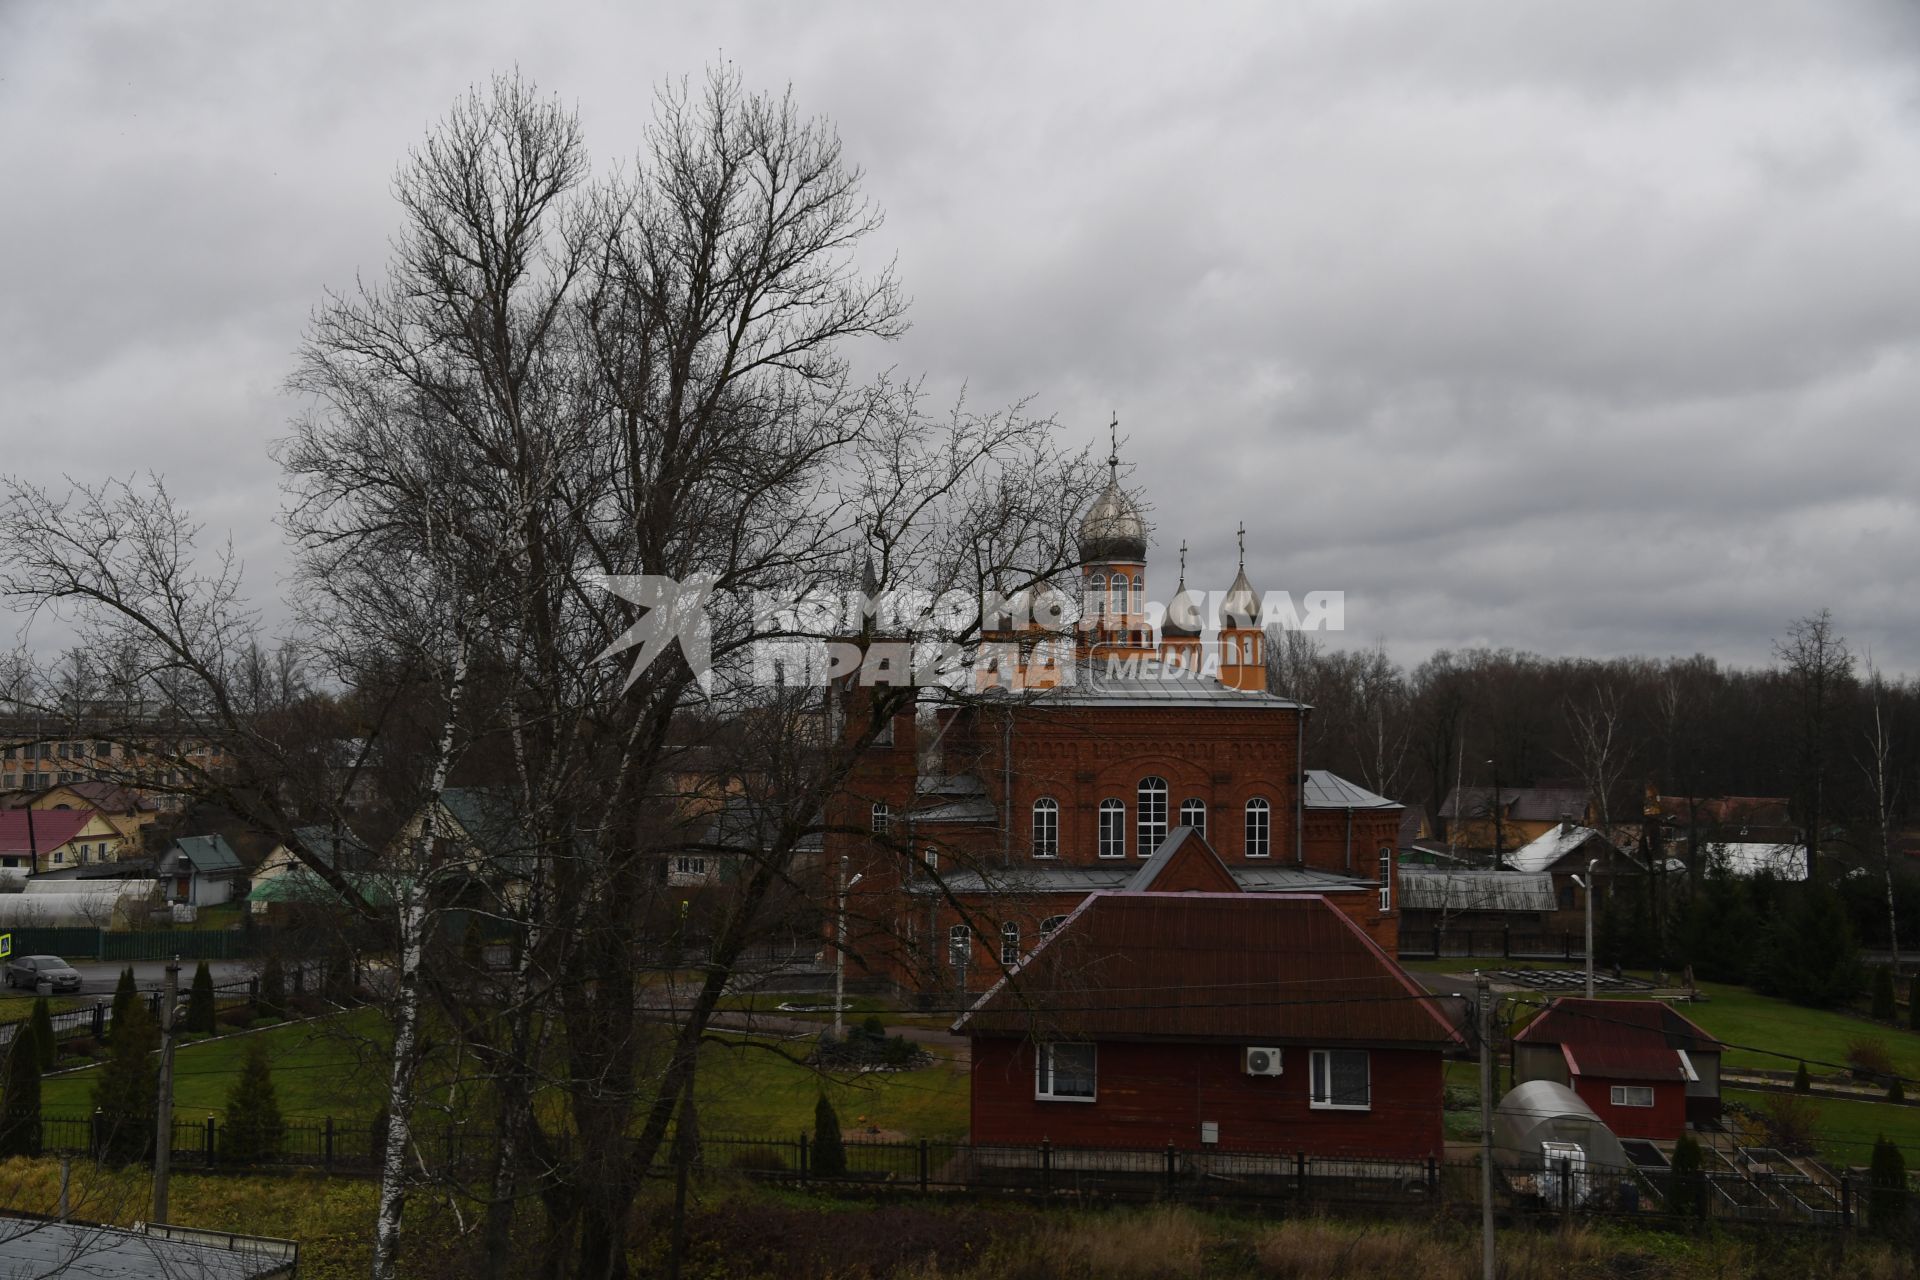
(1887, 1183)
(40, 1027)
(1802, 1082)
(1687, 1181)
(255, 1129)
(200, 1001)
(81, 1047)
(20, 1107)
(872, 1028)
(273, 989)
(1895, 1093)
(238, 1018)
(124, 994)
(1870, 1057)
(900, 1052)
(1791, 1121)
(829, 1152)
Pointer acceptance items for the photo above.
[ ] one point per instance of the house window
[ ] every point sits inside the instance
(1046, 827)
(1338, 1080)
(882, 818)
(1098, 585)
(1153, 815)
(1051, 923)
(959, 945)
(690, 866)
(1386, 878)
(1009, 943)
(1064, 1072)
(1632, 1095)
(1193, 813)
(1259, 828)
(59, 855)
(933, 859)
(1113, 829)
(1233, 652)
(1139, 583)
(1119, 597)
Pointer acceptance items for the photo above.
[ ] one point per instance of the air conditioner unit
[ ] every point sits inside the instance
(1262, 1062)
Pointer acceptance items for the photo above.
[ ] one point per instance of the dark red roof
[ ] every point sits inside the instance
(108, 797)
(51, 828)
(1618, 1039)
(1259, 968)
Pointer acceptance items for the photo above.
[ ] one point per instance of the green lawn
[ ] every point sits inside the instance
(749, 1089)
(317, 1071)
(1750, 1022)
(17, 1008)
(1845, 1130)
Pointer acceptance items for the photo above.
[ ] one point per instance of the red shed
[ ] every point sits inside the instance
(1224, 1020)
(1646, 1069)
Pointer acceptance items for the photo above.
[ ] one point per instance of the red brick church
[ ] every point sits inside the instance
(991, 820)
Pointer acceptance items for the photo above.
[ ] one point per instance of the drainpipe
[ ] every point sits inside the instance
(1349, 839)
(1006, 791)
(1300, 786)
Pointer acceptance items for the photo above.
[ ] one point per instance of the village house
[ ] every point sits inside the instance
(1184, 1011)
(1508, 817)
(1037, 799)
(130, 813)
(1643, 1067)
(202, 871)
(39, 840)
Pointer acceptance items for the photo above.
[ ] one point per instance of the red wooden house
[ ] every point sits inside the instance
(1183, 1011)
(1645, 1069)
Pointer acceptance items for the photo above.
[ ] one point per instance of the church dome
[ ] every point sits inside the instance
(1241, 608)
(1186, 614)
(1113, 529)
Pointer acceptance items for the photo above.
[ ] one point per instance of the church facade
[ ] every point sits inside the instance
(979, 826)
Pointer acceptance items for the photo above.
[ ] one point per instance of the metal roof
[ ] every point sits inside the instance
(972, 809)
(1171, 687)
(25, 830)
(1324, 790)
(40, 1247)
(1047, 876)
(1619, 1039)
(1422, 890)
(1257, 968)
(1544, 851)
(1523, 804)
(208, 853)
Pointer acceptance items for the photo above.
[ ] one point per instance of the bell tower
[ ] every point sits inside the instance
(1113, 576)
(1243, 645)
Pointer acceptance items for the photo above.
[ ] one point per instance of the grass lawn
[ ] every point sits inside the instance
(858, 1007)
(747, 1088)
(17, 1008)
(317, 1071)
(1846, 1129)
(1742, 1018)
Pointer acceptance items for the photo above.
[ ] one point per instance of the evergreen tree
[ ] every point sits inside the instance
(339, 976)
(255, 1129)
(1887, 1189)
(1802, 1082)
(273, 989)
(829, 1152)
(123, 995)
(40, 1026)
(20, 1108)
(124, 1091)
(200, 1004)
(1883, 994)
(1896, 1092)
(1687, 1180)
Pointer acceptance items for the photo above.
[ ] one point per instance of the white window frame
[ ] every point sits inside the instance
(1320, 1081)
(1193, 813)
(1386, 878)
(1259, 835)
(882, 817)
(1046, 827)
(1051, 923)
(688, 864)
(1010, 943)
(1150, 831)
(1113, 828)
(1624, 1095)
(1044, 1075)
(960, 946)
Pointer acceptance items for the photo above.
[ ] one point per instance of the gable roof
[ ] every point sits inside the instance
(1257, 968)
(1619, 1039)
(27, 830)
(1522, 804)
(208, 853)
(1184, 863)
(108, 797)
(1324, 790)
(490, 821)
(323, 843)
(1542, 852)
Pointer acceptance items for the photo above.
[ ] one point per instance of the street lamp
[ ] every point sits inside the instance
(1587, 886)
(840, 952)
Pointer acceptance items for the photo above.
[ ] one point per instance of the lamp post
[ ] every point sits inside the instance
(1587, 885)
(840, 953)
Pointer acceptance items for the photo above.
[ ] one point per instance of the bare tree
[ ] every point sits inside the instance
(1876, 761)
(1818, 669)
(1599, 750)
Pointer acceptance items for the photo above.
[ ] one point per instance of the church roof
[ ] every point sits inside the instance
(1112, 528)
(1241, 607)
(1324, 790)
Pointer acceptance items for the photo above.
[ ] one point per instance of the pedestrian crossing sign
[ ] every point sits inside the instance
(6, 945)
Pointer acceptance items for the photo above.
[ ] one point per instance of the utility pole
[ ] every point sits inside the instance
(1484, 993)
(163, 1113)
(1589, 887)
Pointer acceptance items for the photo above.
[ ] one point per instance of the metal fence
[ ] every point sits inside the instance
(1439, 944)
(94, 1019)
(81, 943)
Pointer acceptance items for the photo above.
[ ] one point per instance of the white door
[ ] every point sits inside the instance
(1564, 1159)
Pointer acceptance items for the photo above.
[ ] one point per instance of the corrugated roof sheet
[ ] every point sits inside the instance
(1422, 890)
(1189, 966)
(1066, 877)
(1618, 1039)
(1523, 804)
(209, 853)
(25, 830)
(1324, 790)
(1544, 851)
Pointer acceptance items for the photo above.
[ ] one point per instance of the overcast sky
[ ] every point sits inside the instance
(1588, 329)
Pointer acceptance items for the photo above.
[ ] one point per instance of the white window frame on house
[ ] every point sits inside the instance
(1150, 822)
(1098, 590)
(959, 945)
(1010, 943)
(882, 817)
(1320, 1085)
(1632, 1095)
(1193, 813)
(1046, 827)
(1046, 1076)
(1113, 828)
(1051, 923)
(1386, 879)
(1259, 828)
(688, 864)
(932, 857)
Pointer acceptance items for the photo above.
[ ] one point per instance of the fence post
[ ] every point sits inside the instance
(99, 1021)
(1506, 942)
(1173, 1167)
(1846, 1199)
(1566, 946)
(1433, 1178)
(94, 1139)
(1300, 1173)
(210, 1140)
(326, 1146)
(806, 1169)
(1046, 1165)
(923, 1164)
(1566, 1185)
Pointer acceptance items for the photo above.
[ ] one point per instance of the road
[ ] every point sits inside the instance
(100, 977)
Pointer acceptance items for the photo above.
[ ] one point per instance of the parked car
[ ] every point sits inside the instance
(27, 971)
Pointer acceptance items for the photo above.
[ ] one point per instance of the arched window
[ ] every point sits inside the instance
(1152, 816)
(1193, 813)
(1253, 648)
(1051, 923)
(882, 818)
(1097, 592)
(1113, 829)
(933, 859)
(1233, 652)
(1009, 943)
(1138, 581)
(1046, 827)
(1259, 828)
(959, 945)
(1118, 600)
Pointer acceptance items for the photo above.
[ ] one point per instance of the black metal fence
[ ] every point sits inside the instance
(94, 1019)
(1512, 944)
(82, 943)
